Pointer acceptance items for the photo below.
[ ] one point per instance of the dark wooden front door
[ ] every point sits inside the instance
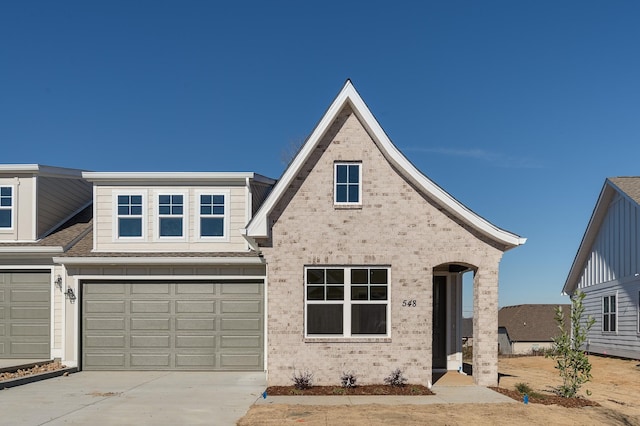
(439, 322)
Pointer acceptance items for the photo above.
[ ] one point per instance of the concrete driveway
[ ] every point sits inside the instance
(133, 398)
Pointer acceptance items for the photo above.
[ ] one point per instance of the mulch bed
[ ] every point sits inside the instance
(36, 369)
(358, 390)
(548, 399)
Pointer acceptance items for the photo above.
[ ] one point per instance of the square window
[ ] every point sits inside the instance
(347, 188)
(212, 215)
(171, 215)
(363, 292)
(129, 212)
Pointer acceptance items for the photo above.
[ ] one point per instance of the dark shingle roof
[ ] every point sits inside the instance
(84, 248)
(531, 323)
(629, 185)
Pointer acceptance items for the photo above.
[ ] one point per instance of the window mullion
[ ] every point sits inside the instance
(347, 302)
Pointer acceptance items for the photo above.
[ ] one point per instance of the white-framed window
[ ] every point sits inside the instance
(171, 222)
(130, 215)
(6, 207)
(347, 184)
(609, 310)
(213, 213)
(348, 301)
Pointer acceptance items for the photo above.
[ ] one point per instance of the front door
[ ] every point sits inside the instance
(439, 322)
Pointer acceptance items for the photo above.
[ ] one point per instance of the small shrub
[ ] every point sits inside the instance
(524, 388)
(396, 378)
(302, 379)
(338, 391)
(348, 379)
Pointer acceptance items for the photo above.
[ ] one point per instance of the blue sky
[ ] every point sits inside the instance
(519, 109)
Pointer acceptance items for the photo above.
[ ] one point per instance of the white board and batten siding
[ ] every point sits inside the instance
(106, 220)
(613, 269)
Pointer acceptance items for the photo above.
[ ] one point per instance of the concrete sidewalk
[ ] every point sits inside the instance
(443, 395)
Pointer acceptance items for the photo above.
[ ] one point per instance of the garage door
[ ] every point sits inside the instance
(173, 325)
(25, 315)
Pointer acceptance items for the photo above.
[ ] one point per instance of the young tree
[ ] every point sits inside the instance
(571, 360)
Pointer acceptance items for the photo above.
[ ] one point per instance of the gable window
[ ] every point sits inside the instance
(171, 215)
(609, 310)
(6, 207)
(129, 215)
(347, 187)
(212, 215)
(347, 301)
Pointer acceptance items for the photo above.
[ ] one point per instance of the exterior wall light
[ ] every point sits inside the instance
(69, 294)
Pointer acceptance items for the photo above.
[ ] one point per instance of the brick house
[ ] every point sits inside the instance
(365, 257)
(353, 260)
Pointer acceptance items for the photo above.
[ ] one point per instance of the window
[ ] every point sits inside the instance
(212, 212)
(347, 183)
(129, 216)
(609, 313)
(6, 207)
(348, 302)
(171, 215)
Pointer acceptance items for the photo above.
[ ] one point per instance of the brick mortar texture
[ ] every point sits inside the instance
(396, 226)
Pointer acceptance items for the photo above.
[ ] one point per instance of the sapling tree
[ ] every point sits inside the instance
(571, 359)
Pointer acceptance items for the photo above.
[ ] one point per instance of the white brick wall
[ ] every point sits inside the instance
(396, 226)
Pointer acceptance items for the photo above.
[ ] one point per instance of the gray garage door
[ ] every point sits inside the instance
(25, 315)
(173, 326)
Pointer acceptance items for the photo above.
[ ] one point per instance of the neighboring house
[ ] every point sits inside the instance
(353, 260)
(607, 269)
(523, 329)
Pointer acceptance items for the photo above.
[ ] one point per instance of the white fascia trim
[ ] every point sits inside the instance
(590, 234)
(41, 170)
(258, 226)
(158, 260)
(38, 249)
(166, 176)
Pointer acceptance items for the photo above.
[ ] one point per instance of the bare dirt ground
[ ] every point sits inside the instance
(615, 386)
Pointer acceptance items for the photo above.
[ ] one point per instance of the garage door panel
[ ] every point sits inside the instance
(26, 348)
(194, 306)
(150, 360)
(237, 324)
(29, 296)
(29, 313)
(1, 295)
(40, 330)
(241, 306)
(158, 341)
(23, 278)
(195, 324)
(150, 307)
(104, 307)
(255, 289)
(98, 360)
(195, 288)
(228, 342)
(100, 341)
(110, 288)
(93, 324)
(150, 324)
(175, 326)
(183, 341)
(155, 289)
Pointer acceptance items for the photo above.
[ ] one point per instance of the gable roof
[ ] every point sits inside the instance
(629, 188)
(531, 323)
(258, 227)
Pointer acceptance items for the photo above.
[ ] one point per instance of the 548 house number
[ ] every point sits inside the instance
(410, 303)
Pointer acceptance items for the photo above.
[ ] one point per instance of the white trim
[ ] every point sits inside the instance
(157, 216)
(115, 216)
(158, 260)
(34, 208)
(335, 183)
(129, 177)
(167, 277)
(35, 249)
(226, 193)
(258, 227)
(41, 170)
(12, 209)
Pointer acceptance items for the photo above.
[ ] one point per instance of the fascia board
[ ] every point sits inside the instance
(597, 216)
(158, 260)
(41, 170)
(27, 249)
(133, 177)
(258, 226)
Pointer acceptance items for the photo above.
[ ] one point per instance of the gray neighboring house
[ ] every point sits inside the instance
(607, 269)
(523, 329)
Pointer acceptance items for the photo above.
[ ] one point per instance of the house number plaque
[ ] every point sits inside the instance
(409, 303)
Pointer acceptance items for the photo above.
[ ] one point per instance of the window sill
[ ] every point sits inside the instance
(347, 206)
(346, 340)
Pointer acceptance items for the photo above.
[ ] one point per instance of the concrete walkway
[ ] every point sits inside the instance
(443, 395)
